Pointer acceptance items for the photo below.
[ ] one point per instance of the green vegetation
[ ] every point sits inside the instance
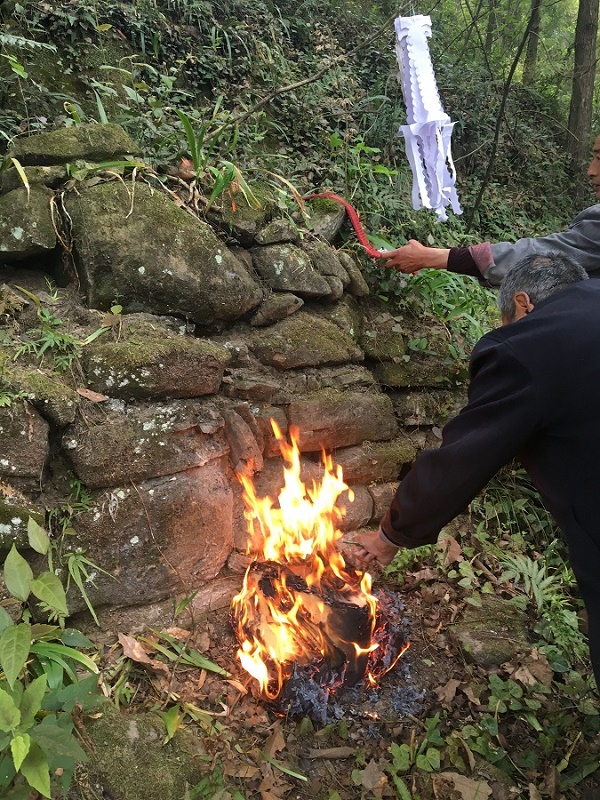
(40, 680)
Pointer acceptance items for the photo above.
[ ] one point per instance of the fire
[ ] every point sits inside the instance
(300, 603)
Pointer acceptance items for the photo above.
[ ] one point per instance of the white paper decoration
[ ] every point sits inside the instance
(429, 128)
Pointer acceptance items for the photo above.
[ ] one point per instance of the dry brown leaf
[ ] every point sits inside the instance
(426, 574)
(451, 551)
(134, 649)
(276, 741)
(89, 394)
(373, 779)
(470, 695)
(533, 793)
(447, 692)
(237, 770)
(177, 633)
(237, 685)
(469, 788)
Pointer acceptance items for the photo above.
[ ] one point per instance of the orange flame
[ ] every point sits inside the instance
(280, 614)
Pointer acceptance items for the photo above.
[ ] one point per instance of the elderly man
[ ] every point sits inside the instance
(534, 394)
(491, 262)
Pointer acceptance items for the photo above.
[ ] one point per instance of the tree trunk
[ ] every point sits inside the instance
(580, 112)
(530, 65)
(492, 26)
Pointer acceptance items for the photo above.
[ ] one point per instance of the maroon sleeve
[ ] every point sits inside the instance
(461, 261)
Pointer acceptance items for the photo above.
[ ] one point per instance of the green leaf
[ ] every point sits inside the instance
(38, 538)
(172, 719)
(32, 701)
(56, 740)
(84, 692)
(19, 747)
(60, 652)
(74, 638)
(10, 715)
(48, 588)
(401, 788)
(14, 649)
(401, 757)
(35, 770)
(5, 619)
(17, 575)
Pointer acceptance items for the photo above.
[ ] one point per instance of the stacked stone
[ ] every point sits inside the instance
(176, 396)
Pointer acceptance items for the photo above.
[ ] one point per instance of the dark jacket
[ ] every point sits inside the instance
(534, 393)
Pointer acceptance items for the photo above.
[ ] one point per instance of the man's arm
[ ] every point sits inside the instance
(501, 416)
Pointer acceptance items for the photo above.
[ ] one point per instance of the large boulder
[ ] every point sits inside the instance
(135, 244)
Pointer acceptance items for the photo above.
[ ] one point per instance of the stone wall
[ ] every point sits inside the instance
(209, 329)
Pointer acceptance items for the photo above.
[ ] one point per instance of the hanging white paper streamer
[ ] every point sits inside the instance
(429, 128)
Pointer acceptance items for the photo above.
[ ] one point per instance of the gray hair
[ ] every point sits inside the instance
(539, 277)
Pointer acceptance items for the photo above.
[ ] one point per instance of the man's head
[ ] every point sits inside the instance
(593, 172)
(534, 279)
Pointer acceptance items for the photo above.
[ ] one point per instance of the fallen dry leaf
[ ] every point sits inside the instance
(469, 788)
(94, 397)
(451, 551)
(276, 741)
(373, 779)
(533, 793)
(447, 692)
(135, 651)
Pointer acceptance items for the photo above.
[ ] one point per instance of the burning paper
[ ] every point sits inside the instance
(429, 128)
(301, 606)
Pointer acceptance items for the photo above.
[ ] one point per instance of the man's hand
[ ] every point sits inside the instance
(370, 546)
(414, 256)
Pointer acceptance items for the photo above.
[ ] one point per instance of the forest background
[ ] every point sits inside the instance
(305, 96)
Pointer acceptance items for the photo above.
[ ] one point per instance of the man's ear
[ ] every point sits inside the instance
(523, 305)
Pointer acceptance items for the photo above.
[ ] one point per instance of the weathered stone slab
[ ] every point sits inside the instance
(382, 337)
(382, 494)
(167, 535)
(358, 287)
(357, 512)
(15, 511)
(24, 444)
(417, 372)
(154, 364)
(373, 462)
(346, 314)
(276, 307)
(286, 268)
(333, 419)
(245, 454)
(143, 442)
(495, 633)
(54, 400)
(157, 258)
(278, 231)
(80, 142)
(46, 176)
(434, 407)
(303, 340)
(325, 260)
(326, 217)
(26, 227)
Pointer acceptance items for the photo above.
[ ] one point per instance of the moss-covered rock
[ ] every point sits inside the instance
(493, 633)
(15, 511)
(332, 419)
(372, 462)
(154, 364)
(416, 371)
(45, 176)
(303, 340)
(55, 400)
(26, 227)
(286, 268)
(95, 143)
(131, 761)
(382, 337)
(137, 245)
(278, 231)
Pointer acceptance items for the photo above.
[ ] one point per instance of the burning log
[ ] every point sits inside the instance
(307, 622)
